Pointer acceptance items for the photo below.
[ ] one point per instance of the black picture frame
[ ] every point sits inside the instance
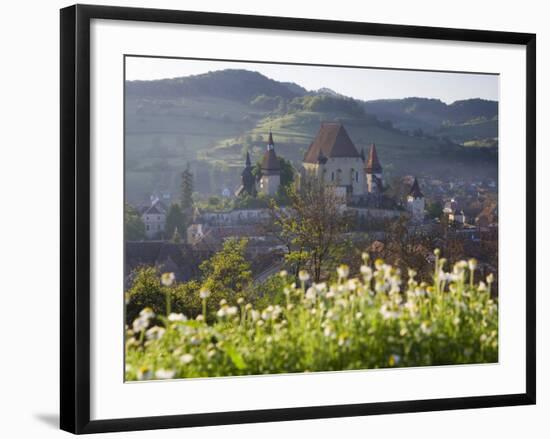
(75, 217)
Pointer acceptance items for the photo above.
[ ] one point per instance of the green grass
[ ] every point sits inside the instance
(378, 320)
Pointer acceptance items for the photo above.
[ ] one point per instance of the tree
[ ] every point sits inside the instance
(134, 229)
(175, 219)
(186, 196)
(147, 291)
(435, 209)
(227, 273)
(287, 173)
(312, 226)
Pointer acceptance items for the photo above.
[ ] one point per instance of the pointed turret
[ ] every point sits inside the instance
(271, 169)
(270, 144)
(248, 181)
(270, 162)
(373, 165)
(415, 203)
(415, 190)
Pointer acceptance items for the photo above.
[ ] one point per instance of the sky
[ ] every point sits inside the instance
(359, 83)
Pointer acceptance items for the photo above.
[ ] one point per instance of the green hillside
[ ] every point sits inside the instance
(211, 120)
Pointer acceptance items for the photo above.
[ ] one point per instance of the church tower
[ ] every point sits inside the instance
(271, 170)
(373, 172)
(248, 181)
(415, 203)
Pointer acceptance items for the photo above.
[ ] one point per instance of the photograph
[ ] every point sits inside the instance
(297, 218)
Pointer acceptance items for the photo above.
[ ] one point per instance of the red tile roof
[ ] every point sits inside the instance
(332, 141)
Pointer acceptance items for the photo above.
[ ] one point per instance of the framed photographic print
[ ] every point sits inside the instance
(271, 218)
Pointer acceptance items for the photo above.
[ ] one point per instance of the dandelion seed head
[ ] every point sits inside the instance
(167, 279)
(186, 358)
(303, 276)
(165, 374)
(177, 317)
(343, 271)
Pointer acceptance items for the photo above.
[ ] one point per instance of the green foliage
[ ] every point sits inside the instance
(324, 103)
(186, 194)
(148, 292)
(434, 209)
(134, 229)
(375, 321)
(175, 220)
(312, 225)
(227, 273)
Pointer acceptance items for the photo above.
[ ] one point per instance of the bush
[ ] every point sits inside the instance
(372, 322)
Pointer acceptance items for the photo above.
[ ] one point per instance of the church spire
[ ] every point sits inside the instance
(373, 165)
(248, 163)
(270, 144)
(415, 190)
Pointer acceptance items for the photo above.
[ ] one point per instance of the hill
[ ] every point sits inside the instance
(211, 120)
(464, 120)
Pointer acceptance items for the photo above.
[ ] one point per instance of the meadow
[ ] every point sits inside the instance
(381, 318)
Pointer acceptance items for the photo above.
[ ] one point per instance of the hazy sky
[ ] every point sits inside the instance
(366, 84)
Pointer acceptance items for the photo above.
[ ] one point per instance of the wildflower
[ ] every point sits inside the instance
(388, 314)
(204, 293)
(425, 328)
(140, 324)
(211, 353)
(437, 252)
(490, 278)
(167, 279)
(310, 294)
(322, 286)
(394, 360)
(186, 358)
(358, 315)
(147, 313)
(303, 276)
(352, 284)
(343, 271)
(255, 315)
(248, 306)
(260, 323)
(200, 318)
(231, 311)
(482, 286)
(366, 271)
(328, 331)
(173, 317)
(240, 301)
(472, 264)
(223, 302)
(144, 373)
(365, 257)
(283, 273)
(163, 374)
(155, 333)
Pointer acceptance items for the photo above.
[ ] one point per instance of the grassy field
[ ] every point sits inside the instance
(378, 320)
